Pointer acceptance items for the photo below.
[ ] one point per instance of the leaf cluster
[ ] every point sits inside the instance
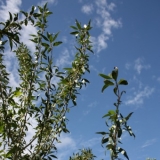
(37, 98)
(116, 122)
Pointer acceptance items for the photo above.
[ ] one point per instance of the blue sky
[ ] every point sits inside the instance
(126, 34)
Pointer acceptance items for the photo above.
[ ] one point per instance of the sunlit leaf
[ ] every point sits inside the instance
(105, 76)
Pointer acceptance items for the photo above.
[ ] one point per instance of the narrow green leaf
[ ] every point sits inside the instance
(105, 140)
(57, 43)
(74, 33)
(119, 132)
(78, 25)
(54, 38)
(122, 151)
(107, 84)
(10, 16)
(53, 156)
(25, 13)
(74, 27)
(105, 76)
(123, 82)
(129, 115)
(44, 37)
(115, 90)
(103, 133)
(115, 74)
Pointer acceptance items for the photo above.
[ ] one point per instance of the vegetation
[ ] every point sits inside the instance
(40, 99)
(116, 122)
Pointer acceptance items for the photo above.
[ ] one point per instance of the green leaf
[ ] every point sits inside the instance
(74, 27)
(26, 22)
(107, 84)
(119, 132)
(10, 16)
(17, 92)
(115, 74)
(129, 129)
(115, 90)
(105, 140)
(44, 37)
(36, 15)
(52, 37)
(105, 76)
(103, 133)
(129, 115)
(74, 33)
(25, 13)
(123, 82)
(110, 113)
(57, 43)
(53, 156)
(122, 151)
(78, 25)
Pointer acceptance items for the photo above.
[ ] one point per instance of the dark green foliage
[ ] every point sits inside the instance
(37, 98)
(115, 121)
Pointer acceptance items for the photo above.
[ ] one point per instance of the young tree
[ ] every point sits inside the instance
(115, 122)
(37, 97)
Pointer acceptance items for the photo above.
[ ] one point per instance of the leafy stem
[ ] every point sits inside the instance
(117, 123)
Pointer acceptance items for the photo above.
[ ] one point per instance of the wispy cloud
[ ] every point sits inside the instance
(66, 147)
(88, 8)
(48, 1)
(89, 108)
(93, 104)
(127, 65)
(9, 6)
(149, 143)
(111, 6)
(139, 65)
(91, 142)
(158, 79)
(64, 59)
(104, 21)
(139, 96)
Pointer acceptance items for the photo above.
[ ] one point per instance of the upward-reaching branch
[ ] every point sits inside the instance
(116, 120)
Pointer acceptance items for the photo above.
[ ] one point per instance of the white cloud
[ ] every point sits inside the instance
(138, 97)
(101, 3)
(90, 143)
(105, 23)
(25, 36)
(9, 6)
(127, 66)
(66, 147)
(148, 143)
(93, 104)
(64, 59)
(111, 6)
(138, 66)
(101, 42)
(66, 141)
(88, 8)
